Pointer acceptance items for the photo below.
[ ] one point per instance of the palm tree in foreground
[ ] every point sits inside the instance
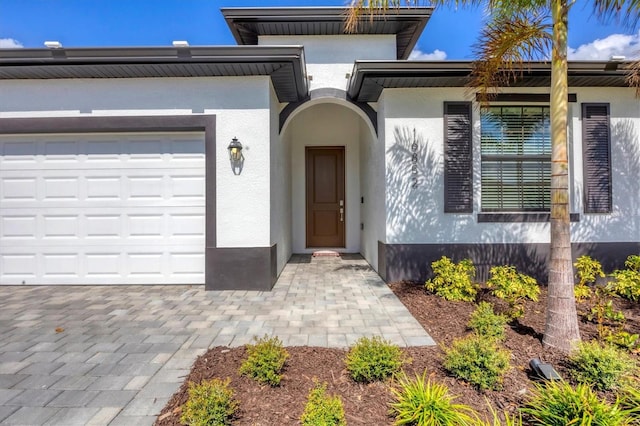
(518, 31)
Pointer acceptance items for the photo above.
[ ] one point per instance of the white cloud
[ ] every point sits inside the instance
(436, 55)
(602, 49)
(9, 43)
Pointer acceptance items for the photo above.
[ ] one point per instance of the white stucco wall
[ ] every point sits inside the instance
(325, 124)
(330, 58)
(280, 168)
(417, 215)
(372, 192)
(241, 104)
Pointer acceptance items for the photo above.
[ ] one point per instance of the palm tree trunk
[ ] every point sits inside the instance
(561, 328)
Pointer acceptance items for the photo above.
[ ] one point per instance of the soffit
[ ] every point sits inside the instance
(247, 24)
(284, 64)
(370, 78)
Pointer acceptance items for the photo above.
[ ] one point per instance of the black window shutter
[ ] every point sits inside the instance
(458, 178)
(596, 146)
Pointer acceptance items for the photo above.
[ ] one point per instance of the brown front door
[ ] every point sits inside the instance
(325, 196)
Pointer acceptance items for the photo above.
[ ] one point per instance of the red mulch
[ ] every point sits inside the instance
(367, 404)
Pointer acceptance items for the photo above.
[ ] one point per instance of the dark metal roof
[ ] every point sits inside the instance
(248, 23)
(369, 78)
(284, 64)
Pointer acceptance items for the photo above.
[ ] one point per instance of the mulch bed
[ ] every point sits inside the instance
(367, 404)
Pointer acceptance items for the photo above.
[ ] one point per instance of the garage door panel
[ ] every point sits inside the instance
(103, 188)
(102, 209)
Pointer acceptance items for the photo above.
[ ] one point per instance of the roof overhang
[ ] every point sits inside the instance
(247, 24)
(284, 64)
(370, 78)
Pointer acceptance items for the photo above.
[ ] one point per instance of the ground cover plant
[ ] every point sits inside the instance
(210, 403)
(368, 403)
(322, 409)
(372, 359)
(453, 281)
(265, 360)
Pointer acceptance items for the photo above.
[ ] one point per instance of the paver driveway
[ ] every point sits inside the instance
(114, 355)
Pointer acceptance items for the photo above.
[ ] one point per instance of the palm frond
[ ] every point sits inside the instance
(359, 9)
(633, 75)
(504, 47)
(626, 12)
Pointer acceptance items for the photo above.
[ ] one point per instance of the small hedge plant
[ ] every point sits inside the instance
(509, 285)
(453, 281)
(486, 323)
(373, 359)
(627, 281)
(478, 361)
(420, 401)
(556, 403)
(210, 403)
(322, 409)
(587, 270)
(600, 366)
(265, 360)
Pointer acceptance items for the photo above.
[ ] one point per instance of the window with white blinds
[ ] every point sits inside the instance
(516, 158)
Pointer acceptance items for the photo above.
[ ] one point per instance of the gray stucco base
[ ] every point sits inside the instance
(398, 262)
(241, 268)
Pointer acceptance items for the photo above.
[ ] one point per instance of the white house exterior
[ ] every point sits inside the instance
(115, 168)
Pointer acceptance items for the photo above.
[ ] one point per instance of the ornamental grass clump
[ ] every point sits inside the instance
(477, 360)
(322, 409)
(603, 367)
(453, 281)
(210, 403)
(265, 360)
(420, 401)
(486, 323)
(509, 285)
(556, 403)
(373, 359)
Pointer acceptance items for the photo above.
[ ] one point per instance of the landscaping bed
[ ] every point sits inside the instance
(368, 403)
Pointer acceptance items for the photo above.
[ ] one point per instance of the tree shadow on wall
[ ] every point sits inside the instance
(419, 232)
(623, 222)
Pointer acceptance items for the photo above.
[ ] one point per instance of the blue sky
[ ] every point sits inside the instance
(83, 23)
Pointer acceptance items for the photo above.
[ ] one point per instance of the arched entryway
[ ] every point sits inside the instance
(336, 177)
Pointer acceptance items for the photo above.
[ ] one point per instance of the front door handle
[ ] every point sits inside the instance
(341, 214)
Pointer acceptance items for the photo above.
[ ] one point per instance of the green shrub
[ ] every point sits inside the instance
(627, 281)
(486, 323)
(626, 284)
(478, 361)
(556, 403)
(622, 340)
(507, 284)
(603, 367)
(587, 271)
(372, 359)
(633, 262)
(210, 403)
(265, 360)
(422, 402)
(322, 409)
(453, 281)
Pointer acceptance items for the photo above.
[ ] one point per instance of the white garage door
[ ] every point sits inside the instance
(102, 209)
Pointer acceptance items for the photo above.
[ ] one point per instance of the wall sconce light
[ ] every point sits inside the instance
(235, 156)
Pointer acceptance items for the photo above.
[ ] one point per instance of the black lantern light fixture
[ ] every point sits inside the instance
(235, 156)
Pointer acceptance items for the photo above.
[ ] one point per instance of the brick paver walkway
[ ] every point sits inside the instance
(114, 355)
